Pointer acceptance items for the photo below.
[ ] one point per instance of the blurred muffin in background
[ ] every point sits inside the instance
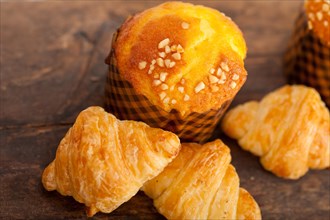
(307, 59)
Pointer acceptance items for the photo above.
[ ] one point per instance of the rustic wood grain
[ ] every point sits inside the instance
(52, 67)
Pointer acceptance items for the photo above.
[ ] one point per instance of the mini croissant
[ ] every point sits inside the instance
(288, 129)
(201, 183)
(102, 162)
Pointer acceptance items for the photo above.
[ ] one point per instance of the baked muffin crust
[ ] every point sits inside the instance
(318, 13)
(182, 56)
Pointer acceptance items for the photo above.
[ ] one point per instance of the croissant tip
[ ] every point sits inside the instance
(91, 211)
(248, 208)
(48, 177)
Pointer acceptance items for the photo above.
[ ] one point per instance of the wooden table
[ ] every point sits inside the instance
(52, 67)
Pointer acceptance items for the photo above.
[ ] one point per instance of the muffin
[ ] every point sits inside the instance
(176, 66)
(307, 59)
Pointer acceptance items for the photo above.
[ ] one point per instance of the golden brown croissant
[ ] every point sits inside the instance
(288, 129)
(201, 183)
(102, 162)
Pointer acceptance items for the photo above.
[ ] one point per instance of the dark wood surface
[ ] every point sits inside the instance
(52, 67)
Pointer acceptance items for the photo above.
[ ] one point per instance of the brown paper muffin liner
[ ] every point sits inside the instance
(307, 59)
(126, 104)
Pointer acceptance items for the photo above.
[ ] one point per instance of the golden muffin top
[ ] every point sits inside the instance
(181, 56)
(318, 13)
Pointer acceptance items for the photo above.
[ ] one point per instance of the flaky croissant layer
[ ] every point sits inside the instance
(200, 183)
(289, 129)
(103, 162)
